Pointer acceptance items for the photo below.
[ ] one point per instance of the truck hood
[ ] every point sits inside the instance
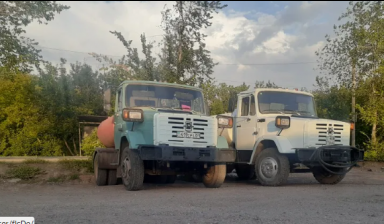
(309, 132)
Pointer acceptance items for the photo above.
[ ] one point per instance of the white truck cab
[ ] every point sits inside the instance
(276, 130)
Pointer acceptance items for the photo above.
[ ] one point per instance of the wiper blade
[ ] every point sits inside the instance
(272, 111)
(299, 112)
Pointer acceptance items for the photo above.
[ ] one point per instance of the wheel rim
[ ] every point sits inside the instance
(268, 168)
(126, 168)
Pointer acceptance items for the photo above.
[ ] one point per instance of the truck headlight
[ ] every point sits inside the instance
(133, 115)
(283, 122)
(225, 122)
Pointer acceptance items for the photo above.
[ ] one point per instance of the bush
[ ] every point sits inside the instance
(91, 142)
(374, 152)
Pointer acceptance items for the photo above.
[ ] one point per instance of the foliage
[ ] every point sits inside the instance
(358, 44)
(262, 84)
(23, 172)
(91, 142)
(17, 51)
(184, 54)
(24, 128)
(222, 97)
(332, 102)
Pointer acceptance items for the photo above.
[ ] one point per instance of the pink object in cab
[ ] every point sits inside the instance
(185, 107)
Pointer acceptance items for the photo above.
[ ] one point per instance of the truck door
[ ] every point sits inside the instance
(117, 117)
(246, 126)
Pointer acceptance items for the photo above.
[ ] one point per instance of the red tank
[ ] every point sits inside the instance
(105, 132)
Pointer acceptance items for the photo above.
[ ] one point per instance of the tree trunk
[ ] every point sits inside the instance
(374, 129)
(69, 149)
(180, 47)
(374, 122)
(353, 137)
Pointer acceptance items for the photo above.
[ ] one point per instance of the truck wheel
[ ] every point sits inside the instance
(324, 177)
(171, 179)
(112, 177)
(244, 172)
(215, 176)
(132, 170)
(272, 168)
(100, 175)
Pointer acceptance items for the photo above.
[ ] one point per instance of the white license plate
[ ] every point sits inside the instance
(182, 134)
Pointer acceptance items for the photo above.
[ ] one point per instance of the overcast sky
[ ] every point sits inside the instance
(244, 33)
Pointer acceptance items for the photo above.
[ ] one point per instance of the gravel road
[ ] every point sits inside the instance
(359, 198)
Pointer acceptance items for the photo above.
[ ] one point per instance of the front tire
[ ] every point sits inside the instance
(272, 168)
(132, 170)
(215, 176)
(100, 174)
(324, 177)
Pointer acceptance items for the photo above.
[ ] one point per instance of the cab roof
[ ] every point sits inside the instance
(128, 82)
(257, 90)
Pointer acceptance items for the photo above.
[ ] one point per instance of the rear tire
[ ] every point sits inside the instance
(100, 174)
(112, 177)
(324, 177)
(215, 176)
(132, 170)
(272, 168)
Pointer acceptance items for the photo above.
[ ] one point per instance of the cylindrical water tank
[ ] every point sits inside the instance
(105, 132)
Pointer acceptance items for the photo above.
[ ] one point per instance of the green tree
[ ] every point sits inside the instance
(262, 84)
(142, 69)
(25, 128)
(16, 50)
(184, 57)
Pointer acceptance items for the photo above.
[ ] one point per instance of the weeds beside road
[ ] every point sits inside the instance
(51, 170)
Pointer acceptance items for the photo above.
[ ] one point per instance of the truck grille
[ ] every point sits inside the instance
(178, 124)
(167, 126)
(328, 131)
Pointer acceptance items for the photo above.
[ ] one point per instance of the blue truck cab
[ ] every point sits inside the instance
(162, 130)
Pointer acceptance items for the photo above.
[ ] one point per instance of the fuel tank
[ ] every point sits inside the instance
(105, 132)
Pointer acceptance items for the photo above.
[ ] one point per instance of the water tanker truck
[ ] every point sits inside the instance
(277, 132)
(161, 130)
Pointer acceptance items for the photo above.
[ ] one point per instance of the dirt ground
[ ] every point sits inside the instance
(359, 198)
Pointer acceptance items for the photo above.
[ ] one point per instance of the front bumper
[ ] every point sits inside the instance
(171, 153)
(330, 154)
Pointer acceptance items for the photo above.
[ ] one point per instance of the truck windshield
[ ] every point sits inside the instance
(164, 97)
(288, 103)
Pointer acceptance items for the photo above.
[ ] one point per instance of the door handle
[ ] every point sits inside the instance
(248, 119)
(238, 126)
